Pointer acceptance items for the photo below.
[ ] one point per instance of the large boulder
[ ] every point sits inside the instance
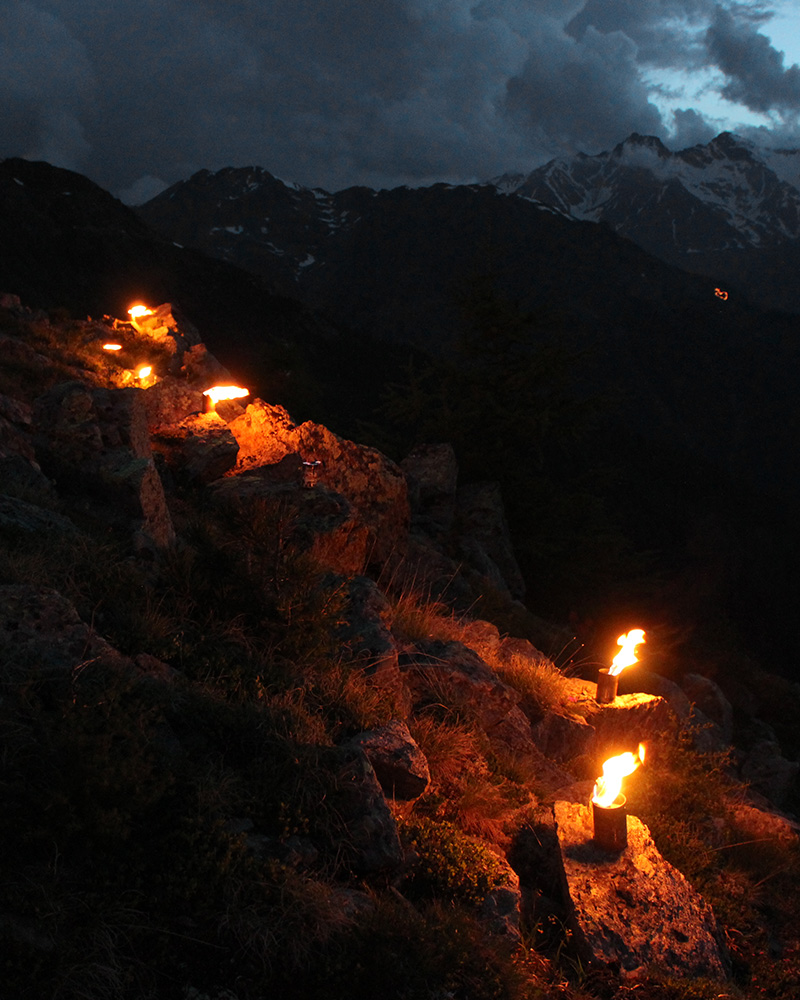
(96, 441)
(365, 632)
(485, 537)
(632, 909)
(316, 522)
(372, 483)
(399, 764)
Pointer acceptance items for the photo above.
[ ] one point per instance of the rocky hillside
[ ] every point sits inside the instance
(251, 747)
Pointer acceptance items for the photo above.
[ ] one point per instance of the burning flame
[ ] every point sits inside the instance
(609, 785)
(135, 312)
(112, 347)
(220, 392)
(720, 294)
(144, 371)
(627, 655)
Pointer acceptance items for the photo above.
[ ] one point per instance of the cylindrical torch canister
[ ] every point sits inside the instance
(611, 824)
(606, 687)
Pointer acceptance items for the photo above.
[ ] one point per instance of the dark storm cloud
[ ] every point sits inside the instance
(338, 92)
(756, 76)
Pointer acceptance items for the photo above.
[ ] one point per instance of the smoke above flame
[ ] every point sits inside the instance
(626, 657)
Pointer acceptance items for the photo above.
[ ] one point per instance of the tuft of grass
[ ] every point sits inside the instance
(544, 688)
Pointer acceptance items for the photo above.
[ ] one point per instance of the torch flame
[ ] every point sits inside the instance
(143, 372)
(627, 655)
(112, 347)
(219, 392)
(609, 785)
(136, 311)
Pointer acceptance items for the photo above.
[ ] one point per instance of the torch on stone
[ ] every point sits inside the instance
(609, 811)
(608, 678)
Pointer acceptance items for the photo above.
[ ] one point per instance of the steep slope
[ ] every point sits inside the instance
(729, 209)
(64, 241)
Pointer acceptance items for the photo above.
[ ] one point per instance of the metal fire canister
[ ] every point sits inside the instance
(611, 824)
(606, 687)
(311, 473)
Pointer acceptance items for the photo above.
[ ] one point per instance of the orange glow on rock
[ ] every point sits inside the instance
(626, 657)
(219, 392)
(609, 785)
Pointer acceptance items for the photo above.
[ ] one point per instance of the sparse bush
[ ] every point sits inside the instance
(448, 864)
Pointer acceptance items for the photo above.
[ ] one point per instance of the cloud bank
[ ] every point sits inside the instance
(138, 95)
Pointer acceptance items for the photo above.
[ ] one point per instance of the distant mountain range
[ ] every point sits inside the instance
(729, 210)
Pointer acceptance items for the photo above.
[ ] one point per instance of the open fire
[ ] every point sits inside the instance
(608, 679)
(608, 802)
(219, 392)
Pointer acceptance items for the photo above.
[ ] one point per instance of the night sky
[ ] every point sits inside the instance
(138, 94)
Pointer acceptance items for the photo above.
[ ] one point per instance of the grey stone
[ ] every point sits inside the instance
(708, 697)
(633, 908)
(399, 764)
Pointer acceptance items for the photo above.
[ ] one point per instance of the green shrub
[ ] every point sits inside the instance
(448, 865)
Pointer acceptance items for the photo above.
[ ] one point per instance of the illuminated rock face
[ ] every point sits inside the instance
(372, 483)
(634, 908)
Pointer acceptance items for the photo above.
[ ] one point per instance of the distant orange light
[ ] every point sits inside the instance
(144, 371)
(720, 294)
(219, 392)
(112, 347)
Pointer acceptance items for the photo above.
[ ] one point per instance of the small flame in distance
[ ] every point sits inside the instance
(144, 371)
(112, 347)
(720, 294)
(626, 657)
(609, 785)
(219, 392)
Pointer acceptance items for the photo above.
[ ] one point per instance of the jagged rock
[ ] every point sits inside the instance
(201, 447)
(482, 523)
(482, 637)
(97, 440)
(633, 908)
(25, 480)
(364, 629)
(18, 515)
(15, 422)
(630, 719)
(372, 483)
(502, 905)
(513, 733)
(431, 472)
(767, 771)
(754, 823)
(424, 568)
(562, 738)
(373, 843)
(41, 628)
(168, 328)
(708, 697)
(317, 522)
(436, 666)
(648, 682)
(171, 401)
(399, 764)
